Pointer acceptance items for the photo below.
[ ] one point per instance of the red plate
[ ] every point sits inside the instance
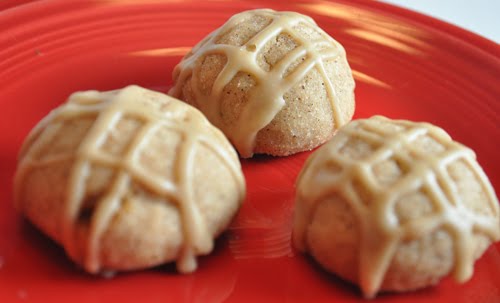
(406, 66)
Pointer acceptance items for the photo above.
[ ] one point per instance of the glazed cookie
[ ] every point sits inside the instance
(273, 82)
(394, 205)
(129, 179)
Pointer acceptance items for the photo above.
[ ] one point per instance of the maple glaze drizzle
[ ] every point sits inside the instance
(108, 108)
(380, 230)
(266, 98)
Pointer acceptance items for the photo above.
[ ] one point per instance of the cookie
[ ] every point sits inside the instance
(129, 179)
(394, 205)
(273, 82)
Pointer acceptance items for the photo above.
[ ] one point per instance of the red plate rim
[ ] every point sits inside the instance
(11, 9)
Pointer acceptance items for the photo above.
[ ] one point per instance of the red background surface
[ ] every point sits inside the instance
(406, 65)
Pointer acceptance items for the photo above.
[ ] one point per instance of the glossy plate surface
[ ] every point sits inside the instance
(406, 66)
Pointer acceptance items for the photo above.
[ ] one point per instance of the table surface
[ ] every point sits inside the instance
(478, 16)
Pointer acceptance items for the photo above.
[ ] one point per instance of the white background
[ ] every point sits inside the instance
(479, 16)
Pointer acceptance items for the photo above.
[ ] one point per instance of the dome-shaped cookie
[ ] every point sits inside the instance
(394, 205)
(273, 82)
(129, 179)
